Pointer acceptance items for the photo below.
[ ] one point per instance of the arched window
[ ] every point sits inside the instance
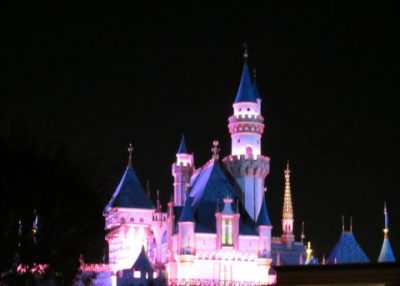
(227, 232)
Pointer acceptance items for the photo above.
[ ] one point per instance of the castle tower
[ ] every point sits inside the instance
(128, 219)
(287, 212)
(182, 170)
(386, 254)
(246, 126)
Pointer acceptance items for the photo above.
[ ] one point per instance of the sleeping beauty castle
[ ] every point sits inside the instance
(216, 228)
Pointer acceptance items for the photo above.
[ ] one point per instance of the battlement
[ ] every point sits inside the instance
(245, 117)
(182, 167)
(247, 165)
(160, 216)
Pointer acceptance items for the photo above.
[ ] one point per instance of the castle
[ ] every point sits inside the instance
(216, 228)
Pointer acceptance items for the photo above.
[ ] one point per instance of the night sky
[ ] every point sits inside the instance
(94, 78)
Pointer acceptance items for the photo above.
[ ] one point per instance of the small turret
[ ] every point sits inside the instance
(182, 170)
(227, 223)
(246, 124)
(386, 254)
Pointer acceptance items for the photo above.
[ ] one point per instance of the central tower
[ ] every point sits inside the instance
(246, 126)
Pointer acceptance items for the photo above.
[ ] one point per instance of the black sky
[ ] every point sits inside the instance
(98, 77)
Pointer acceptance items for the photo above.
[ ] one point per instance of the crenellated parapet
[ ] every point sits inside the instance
(246, 123)
(247, 165)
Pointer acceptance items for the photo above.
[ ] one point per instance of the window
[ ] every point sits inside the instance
(136, 274)
(227, 232)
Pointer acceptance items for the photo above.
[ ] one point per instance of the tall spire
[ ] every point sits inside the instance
(386, 229)
(130, 149)
(287, 212)
(386, 254)
(245, 92)
(182, 147)
(287, 200)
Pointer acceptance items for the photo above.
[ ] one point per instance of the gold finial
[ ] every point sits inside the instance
(386, 229)
(215, 150)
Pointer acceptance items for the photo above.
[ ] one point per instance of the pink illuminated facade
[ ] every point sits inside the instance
(216, 229)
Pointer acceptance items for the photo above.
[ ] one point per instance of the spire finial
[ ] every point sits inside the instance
(351, 224)
(215, 150)
(254, 74)
(130, 149)
(245, 53)
(302, 232)
(342, 223)
(386, 229)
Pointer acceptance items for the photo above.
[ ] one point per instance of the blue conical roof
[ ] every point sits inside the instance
(187, 212)
(386, 254)
(182, 147)
(245, 92)
(347, 250)
(263, 217)
(129, 193)
(143, 263)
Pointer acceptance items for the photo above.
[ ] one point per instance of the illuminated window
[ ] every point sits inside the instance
(227, 232)
(136, 274)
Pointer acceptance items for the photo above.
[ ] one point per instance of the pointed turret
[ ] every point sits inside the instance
(182, 147)
(246, 163)
(129, 193)
(182, 170)
(245, 92)
(386, 254)
(347, 250)
(287, 211)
